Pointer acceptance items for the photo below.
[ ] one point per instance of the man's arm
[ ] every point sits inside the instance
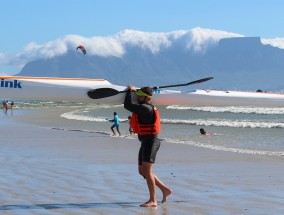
(128, 105)
(134, 108)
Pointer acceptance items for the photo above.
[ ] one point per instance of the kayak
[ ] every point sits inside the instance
(222, 98)
(52, 89)
(101, 91)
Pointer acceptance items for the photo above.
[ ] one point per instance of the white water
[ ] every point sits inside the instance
(236, 129)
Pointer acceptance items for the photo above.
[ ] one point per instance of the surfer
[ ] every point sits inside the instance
(145, 121)
(203, 132)
(115, 124)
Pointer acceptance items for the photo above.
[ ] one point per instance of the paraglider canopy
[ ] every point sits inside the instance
(82, 48)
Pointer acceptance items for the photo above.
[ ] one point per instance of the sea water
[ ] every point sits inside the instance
(254, 130)
(251, 130)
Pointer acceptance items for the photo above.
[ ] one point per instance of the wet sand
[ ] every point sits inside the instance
(53, 171)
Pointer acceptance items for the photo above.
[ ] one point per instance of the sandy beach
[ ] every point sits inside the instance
(47, 170)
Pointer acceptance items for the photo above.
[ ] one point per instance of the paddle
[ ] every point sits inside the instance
(108, 92)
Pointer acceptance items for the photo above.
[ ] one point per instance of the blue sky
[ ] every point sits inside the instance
(42, 21)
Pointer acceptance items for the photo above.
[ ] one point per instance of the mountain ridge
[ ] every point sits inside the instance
(242, 63)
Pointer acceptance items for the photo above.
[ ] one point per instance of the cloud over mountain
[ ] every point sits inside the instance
(142, 58)
(196, 39)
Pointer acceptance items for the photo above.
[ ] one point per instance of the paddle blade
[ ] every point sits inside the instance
(180, 85)
(102, 93)
(200, 81)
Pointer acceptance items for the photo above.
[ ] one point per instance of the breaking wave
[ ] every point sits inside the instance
(227, 149)
(232, 109)
(75, 115)
(226, 123)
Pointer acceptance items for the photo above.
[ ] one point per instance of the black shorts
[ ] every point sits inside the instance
(150, 145)
(115, 125)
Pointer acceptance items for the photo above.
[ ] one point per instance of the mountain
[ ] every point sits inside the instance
(242, 63)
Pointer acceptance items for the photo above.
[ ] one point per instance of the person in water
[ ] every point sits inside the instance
(115, 124)
(6, 106)
(145, 121)
(203, 132)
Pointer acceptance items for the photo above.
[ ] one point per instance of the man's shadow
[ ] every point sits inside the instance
(73, 205)
(69, 205)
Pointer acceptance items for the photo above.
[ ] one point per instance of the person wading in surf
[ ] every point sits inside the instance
(203, 132)
(115, 124)
(145, 121)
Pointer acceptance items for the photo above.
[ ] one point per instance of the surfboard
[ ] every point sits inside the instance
(90, 91)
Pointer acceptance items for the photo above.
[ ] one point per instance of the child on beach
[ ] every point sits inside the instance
(115, 124)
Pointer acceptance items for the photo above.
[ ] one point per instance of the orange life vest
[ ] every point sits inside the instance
(144, 129)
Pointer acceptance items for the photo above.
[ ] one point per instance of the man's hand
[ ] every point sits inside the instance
(132, 88)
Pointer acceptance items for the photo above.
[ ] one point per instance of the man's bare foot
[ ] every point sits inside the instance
(166, 193)
(149, 204)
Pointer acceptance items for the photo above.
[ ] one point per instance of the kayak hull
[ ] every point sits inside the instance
(76, 90)
(196, 99)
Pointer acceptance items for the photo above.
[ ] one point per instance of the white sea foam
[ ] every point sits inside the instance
(227, 149)
(225, 123)
(75, 115)
(232, 109)
(108, 106)
(83, 115)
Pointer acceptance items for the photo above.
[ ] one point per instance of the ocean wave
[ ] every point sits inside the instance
(225, 123)
(34, 104)
(232, 109)
(108, 106)
(227, 149)
(72, 115)
(75, 116)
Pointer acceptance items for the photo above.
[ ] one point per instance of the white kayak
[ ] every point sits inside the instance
(222, 98)
(101, 91)
(51, 89)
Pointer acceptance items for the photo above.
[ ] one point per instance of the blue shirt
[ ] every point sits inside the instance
(116, 120)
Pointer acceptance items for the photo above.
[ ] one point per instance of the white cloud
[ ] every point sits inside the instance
(197, 39)
(145, 40)
(104, 46)
(48, 50)
(277, 42)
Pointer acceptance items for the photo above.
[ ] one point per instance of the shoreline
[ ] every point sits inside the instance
(54, 171)
(50, 118)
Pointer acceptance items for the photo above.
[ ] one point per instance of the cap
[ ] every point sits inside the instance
(145, 91)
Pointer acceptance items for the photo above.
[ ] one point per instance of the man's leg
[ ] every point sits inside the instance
(165, 190)
(149, 176)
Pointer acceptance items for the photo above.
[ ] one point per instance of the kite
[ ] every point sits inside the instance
(82, 48)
